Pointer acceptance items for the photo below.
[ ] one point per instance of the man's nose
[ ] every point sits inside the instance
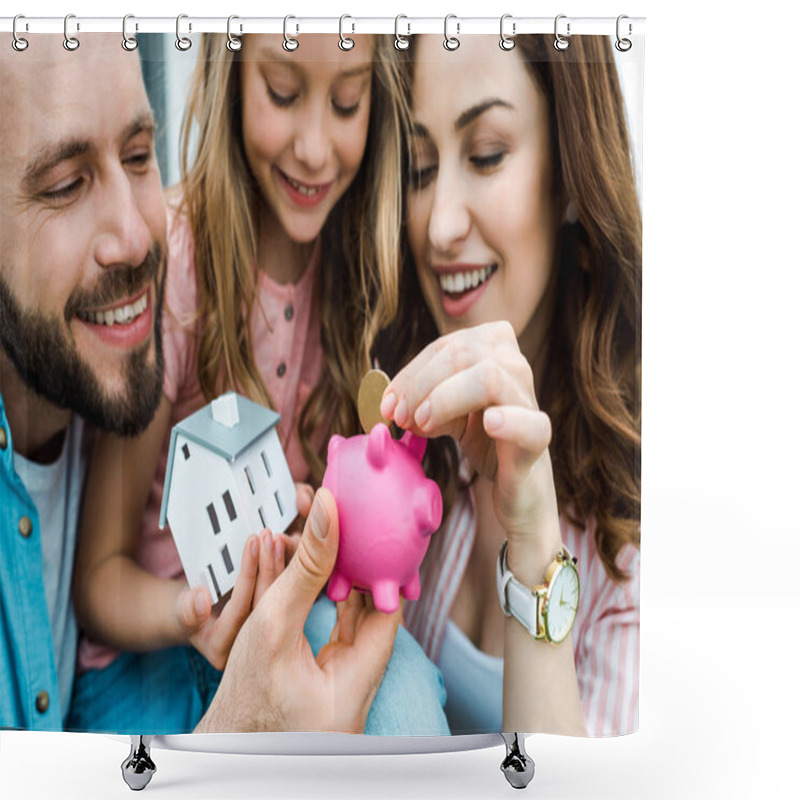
(124, 237)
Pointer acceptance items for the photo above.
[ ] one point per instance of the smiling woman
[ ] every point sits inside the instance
(521, 292)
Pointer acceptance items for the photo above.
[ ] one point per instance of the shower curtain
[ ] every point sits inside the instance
(320, 380)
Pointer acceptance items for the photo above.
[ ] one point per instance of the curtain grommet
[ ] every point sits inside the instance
(507, 43)
(129, 43)
(561, 42)
(290, 43)
(345, 42)
(71, 43)
(183, 43)
(234, 43)
(451, 43)
(623, 44)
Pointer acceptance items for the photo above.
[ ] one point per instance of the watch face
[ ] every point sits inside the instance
(562, 604)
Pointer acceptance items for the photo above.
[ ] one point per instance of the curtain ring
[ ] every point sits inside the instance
(451, 42)
(561, 43)
(70, 42)
(506, 42)
(234, 42)
(18, 43)
(345, 42)
(129, 43)
(623, 45)
(182, 42)
(401, 42)
(290, 44)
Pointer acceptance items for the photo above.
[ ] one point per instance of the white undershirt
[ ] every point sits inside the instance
(474, 684)
(55, 490)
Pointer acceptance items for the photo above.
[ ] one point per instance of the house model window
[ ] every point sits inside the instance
(228, 480)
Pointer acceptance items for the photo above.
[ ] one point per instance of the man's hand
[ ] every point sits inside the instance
(272, 681)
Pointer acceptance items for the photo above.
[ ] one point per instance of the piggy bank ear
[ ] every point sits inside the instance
(416, 445)
(333, 445)
(428, 507)
(378, 446)
(330, 478)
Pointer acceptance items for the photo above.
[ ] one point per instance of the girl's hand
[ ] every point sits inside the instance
(476, 386)
(212, 632)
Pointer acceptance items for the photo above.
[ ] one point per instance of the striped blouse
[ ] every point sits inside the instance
(605, 635)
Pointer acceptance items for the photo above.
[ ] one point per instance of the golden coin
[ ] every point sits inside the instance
(370, 394)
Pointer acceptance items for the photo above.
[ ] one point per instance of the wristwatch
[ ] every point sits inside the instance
(547, 611)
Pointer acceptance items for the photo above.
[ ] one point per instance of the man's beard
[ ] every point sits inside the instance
(48, 362)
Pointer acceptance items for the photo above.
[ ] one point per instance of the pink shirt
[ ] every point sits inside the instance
(288, 354)
(605, 636)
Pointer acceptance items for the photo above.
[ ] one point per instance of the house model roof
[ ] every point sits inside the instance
(229, 442)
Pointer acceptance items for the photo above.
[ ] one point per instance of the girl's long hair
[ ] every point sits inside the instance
(591, 384)
(360, 243)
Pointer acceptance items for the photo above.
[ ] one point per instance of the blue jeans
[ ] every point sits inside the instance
(168, 691)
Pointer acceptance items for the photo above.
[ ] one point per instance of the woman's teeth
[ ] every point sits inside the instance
(308, 191)
(455, 282)
(116, 316)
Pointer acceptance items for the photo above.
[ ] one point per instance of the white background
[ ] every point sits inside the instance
(720, 554)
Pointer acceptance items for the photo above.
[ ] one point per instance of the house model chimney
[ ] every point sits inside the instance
(225, 410)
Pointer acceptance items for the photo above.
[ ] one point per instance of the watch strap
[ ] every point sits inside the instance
(516, 599)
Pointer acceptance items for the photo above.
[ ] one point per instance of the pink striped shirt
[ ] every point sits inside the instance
(606, 632)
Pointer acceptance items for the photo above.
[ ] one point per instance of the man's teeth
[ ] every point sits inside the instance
(308, 191)
(116, 316)
(454, 282)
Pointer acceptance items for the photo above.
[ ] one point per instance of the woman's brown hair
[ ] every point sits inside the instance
(592, 377)
(360, 243)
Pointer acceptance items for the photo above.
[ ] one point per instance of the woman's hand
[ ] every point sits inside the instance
(476, 386)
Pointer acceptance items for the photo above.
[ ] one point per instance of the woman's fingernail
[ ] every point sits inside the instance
(319, 519)
(423, 414)
(199, 603)
(387, 405)
(492, 419)
(401, 412)
(254, 546)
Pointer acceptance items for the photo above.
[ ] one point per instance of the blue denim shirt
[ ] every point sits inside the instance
(28, 682)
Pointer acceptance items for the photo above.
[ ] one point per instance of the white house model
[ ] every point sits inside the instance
(226, 478)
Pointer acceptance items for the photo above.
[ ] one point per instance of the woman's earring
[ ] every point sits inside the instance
(571, 213)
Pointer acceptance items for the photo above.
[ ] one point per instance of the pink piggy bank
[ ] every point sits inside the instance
(387, 511)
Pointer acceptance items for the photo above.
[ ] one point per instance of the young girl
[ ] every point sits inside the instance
(283, 246)
(524, 293)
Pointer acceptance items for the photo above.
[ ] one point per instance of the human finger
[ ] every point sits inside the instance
(357, 669)
(238, 606)
(290, 542)
(349, 613)
(266, 565)
(522, 433)
(484, 384)
(446, 356)
(305, 497)
(295, 591)
(192, 609)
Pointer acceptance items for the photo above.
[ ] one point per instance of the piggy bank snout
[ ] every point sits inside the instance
(427, 503)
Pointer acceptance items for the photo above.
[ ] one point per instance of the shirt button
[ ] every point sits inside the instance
(3, 438)
(281, 369)
(288, 312)
(42, 702)
(25, 526)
